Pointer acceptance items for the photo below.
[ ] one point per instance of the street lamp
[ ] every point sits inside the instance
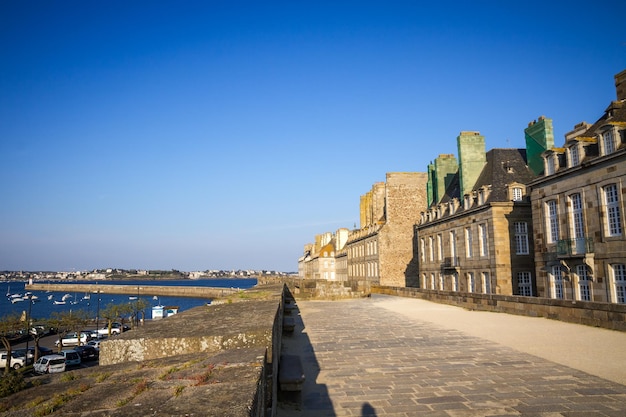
(30, 305)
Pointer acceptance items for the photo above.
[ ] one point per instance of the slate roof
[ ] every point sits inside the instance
(503, 167)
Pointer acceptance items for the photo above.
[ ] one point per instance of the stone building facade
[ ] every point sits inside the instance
(578, 210)
(326, 258)
(381, 251)
(476, 235)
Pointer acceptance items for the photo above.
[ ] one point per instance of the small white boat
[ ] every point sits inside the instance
(87, 296)
(51, 296)
(66, 297)
(58, 302)
(132, 298)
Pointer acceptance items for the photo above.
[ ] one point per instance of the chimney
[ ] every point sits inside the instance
(446, 167)
(539, 138)
(472, 159)
(620, 85)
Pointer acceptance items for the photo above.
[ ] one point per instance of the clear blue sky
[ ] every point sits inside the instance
(215, 135)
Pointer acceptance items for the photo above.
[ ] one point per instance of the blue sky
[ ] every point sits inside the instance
(216, 135)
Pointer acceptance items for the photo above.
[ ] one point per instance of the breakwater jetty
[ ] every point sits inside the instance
(158, 290)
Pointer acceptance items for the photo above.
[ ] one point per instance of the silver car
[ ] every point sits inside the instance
(50, 364)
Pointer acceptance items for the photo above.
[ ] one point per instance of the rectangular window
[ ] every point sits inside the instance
(583, 283)
(553, 221)
(608, 142)
(517, 194)
(441, 286)
(557, 282)
(439, 247)
(470, 282)
(486, 283)
(468, 242)
(455, 282)
(432, 281)
(453, 253)
(524, 283)
(619, 280)
(521, 238)
(574, 156)
(550, 165)
(577, 216)
(614, 218)
(482, 236)
(430, 249)
(422, 250)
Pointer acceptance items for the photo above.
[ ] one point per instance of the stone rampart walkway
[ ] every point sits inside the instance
(390, 356)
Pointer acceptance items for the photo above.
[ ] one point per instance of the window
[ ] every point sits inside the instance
(550, 168)
(574, 157)
(470, 282)
(518, 193)
(431, 248)
(486, 283)
(608, 142)
(423, 249)
(584, 289)
(453, 245)
(577, 216)
(524, 284)
(556, 282)
(521, 238)
(468, 242)
(455, 282)
(439, 247)
(482, 236)
(614, 218)
(553, 221)
(432, 281)
(619, 280)
(441, 284)
(481, 196)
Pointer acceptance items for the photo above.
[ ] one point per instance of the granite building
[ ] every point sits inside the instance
(578, 210)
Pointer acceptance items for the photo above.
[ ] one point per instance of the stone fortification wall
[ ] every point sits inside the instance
(321, 289)
(245, 328)
(605, 315)
(148, 288)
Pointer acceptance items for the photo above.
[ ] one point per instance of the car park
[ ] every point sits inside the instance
(116, 328)
(72, 339)
(87, 353)
(72, 358)
(16, 361)
(94, 343)
(50, 364)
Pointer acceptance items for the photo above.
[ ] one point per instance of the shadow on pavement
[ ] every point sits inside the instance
(313, 400)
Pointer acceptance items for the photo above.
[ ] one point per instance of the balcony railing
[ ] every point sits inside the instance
(574, 247)
(450, 262)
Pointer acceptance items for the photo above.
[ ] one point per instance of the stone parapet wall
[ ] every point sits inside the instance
(605, 315)
(321, 289)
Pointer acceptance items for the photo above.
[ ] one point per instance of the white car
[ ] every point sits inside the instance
(16, 361)
(71, 339)
(50, 364)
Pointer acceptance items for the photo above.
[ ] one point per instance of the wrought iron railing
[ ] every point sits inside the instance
(450, 262)
(574, 247)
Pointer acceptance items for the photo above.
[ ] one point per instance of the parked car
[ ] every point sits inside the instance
(87, 353)
(94, 343)
(16, 361)
(71, 339)
(50, 364)
(116, 328)
(72, 358)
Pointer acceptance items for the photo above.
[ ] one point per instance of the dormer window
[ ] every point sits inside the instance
(550, 165)
(518, 193)
(608, 142)
(481, 196)
(451, 207)
(467, 201)
(574, 155)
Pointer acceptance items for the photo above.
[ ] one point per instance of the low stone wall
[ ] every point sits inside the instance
(606, 315)
(138, 290)
(246, 329)
(321, 289)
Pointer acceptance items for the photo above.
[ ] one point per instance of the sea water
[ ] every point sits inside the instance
(90, 303)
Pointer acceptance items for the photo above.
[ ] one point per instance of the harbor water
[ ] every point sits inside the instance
(59, 301)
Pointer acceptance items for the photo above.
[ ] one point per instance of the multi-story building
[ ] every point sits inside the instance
(319, 260)
(381, 250)
(476, 234)
(578, 210)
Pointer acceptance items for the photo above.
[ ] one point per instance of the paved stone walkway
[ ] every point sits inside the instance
(389, 356)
